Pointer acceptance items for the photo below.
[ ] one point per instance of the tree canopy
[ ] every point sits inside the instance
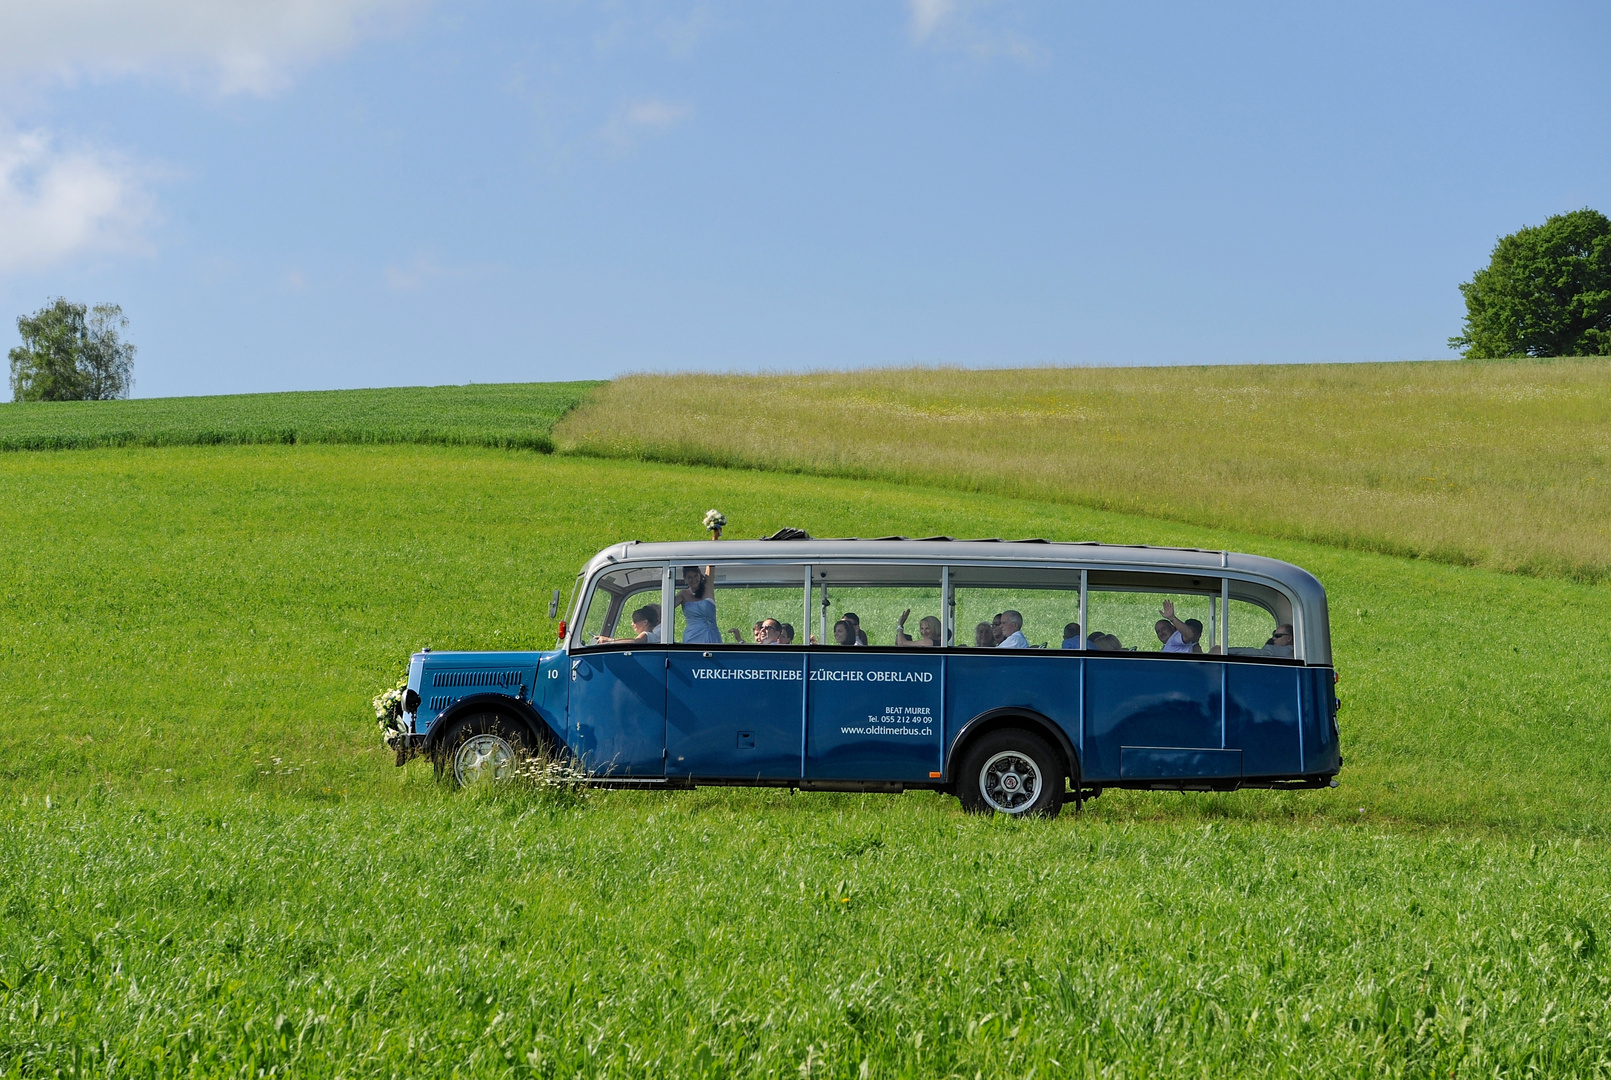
(72, 353)
(1545, 292)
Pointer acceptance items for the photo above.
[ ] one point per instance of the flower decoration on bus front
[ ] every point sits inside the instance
(389, 711)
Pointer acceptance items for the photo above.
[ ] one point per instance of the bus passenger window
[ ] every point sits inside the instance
(1014, 607)
(739, 605)
(1170, 614)
(1176, 623)
(1254, 630)
(876, 605)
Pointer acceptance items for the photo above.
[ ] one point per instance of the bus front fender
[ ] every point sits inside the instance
(543, 735)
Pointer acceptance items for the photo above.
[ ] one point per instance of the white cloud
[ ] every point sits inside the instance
(927, 15)
(416, 273)
(679, 32)
(57, 204)
(235, 45)
(658, 115)
(962, 25)
(648, 117)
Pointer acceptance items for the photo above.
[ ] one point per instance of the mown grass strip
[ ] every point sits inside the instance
(1504, 466)
(506, 416)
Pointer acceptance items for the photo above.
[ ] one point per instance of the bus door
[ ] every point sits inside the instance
(617, 708)
(735, 710)
(874, 709)
(1263, 700)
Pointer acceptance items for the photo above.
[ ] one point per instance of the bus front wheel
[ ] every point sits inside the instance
(481, 747)
(1011, 772)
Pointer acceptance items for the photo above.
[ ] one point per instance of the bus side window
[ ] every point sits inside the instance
(1170, 614)
(1259, 621)
(888, 605)
(1151, 622)
(763, 604)
(1014, 607)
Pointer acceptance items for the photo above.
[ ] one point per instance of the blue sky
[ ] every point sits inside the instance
(303, 194)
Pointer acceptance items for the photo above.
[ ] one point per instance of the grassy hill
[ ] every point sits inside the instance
(1501, 465)
(212, 867)
(506, 415)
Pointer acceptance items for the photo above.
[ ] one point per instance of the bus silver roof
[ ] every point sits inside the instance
(1304, 588)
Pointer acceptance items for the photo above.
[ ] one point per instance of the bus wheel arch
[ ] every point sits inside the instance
(482, 739)
(1013, 762)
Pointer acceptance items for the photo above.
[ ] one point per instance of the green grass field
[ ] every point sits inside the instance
(506, 415)
(1501, 465)
(213, 869)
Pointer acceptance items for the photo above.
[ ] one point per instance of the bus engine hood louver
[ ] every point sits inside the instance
(475, 678)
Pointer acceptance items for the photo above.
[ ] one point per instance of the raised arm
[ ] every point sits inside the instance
(1187, 634)
(707, 585)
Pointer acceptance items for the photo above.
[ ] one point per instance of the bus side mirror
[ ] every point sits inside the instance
(553, 606)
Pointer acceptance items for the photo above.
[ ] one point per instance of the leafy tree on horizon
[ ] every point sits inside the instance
(1545, 292)
(70, 352)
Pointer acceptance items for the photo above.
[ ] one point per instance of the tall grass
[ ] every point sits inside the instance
(1505, 466)
(758, 934)
(519, 415)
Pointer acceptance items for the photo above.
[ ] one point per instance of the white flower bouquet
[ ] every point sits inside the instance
(389, 711)
(715, 521)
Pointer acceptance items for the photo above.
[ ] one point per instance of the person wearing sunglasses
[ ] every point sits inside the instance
(1280, 643)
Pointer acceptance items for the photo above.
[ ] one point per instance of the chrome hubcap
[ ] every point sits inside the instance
(483, 757)
(1010, 782)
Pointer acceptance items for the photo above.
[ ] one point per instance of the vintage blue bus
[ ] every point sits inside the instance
(1013, 674)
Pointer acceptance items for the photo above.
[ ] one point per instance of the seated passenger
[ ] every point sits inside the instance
(996, 633)
(1177, 636)
(1012, 623)
(787, 633)
(1105, 642)
(844, 633)
(1071, 637)
(1197, 628)
(928, 630)
(771, 633)
(855, 621)
(984, 637)
(1280, 643)
(645, 624)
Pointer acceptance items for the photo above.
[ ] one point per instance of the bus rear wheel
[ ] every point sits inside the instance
(485, 746)
(1011, 772)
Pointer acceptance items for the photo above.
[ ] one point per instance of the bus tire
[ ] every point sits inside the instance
(1011, 771)
(481, 746)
